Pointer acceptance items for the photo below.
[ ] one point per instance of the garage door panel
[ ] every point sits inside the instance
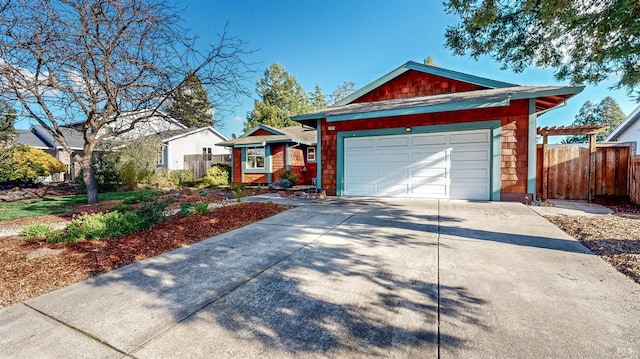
(477, 137)
(469, 155)
(440, 165)
(396, 142)
(427, 140)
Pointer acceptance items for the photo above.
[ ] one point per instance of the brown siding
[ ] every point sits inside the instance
(414, 83)
(634, 178)
(237, 165)
(515, 123)
(278, 160)
(255, 178)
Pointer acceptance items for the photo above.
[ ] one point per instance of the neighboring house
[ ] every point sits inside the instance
(178, 141)
(261, 155)
(39, 137)
(628, 130)
(425, 131)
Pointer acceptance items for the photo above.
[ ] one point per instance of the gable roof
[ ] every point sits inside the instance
(624, 125)
(432, 70)
(295, 134)
(437, 103)
(74, 138)
(26, 137)
(168, 136)
(262, 126)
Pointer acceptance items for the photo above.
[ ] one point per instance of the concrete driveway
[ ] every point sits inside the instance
(349, 278)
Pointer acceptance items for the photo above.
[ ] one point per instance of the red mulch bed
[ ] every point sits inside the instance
(22, 279)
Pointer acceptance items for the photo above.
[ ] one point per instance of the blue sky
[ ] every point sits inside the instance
(329, 42)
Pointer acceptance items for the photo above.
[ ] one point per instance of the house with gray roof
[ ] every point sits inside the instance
(261, 155)
(628, 130)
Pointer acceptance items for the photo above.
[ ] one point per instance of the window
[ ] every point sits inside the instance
(311, 153)
(255, 157)
(160, 156)
(206, 150)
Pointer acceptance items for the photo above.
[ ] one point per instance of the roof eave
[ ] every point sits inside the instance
(630, 120)
(447, 107)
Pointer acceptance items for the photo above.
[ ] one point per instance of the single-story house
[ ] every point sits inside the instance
(628, 130)
(178, 141)
(425, 131)
(262, 154)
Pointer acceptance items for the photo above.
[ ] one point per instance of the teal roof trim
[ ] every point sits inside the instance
(432, 70)
(263, 143)
(422, 109)
(263, 127)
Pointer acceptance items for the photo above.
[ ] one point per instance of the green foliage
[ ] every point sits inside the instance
(27, 163)
(185, 209)
(201, 207)
(190, 104)
(41, 230)
(585, 41)
(290, 176)
(98, 226)
(217, 175)
(137, 162)
(105, 165)
(180, 177)
(8, 136)
(318, 99)
(281, 96)
(238, 191)
(146, 195)
(607, 112)
(152, 212)
(122, 208)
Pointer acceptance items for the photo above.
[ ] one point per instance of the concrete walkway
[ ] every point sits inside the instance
(349, 278)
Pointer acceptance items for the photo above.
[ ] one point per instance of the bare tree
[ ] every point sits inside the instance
(94, 62)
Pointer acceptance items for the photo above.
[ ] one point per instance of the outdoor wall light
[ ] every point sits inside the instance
(408, 129)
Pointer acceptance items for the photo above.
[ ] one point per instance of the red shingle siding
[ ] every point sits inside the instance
(414, 83)
(514, 138)
(237, 165)
(278, 160)
(261, 132)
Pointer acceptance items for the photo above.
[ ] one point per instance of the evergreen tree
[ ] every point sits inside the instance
(318, 99)
(7, 118)
(607, 112)
(190, 104)
(281, 96)
(584, 41)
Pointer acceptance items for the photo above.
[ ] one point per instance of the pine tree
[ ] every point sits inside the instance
(607, 112)
(318, 99)
(281, 96)
(190, 104)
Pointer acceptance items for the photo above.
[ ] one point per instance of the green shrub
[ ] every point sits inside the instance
(122, 208)
(185, 209)
(289, 176)
(179, 177)
(146, 195)
(217, 175)
(153, 212)
(239, 191)
(202, 207)
(37, 230)
(97, 226)
(129, 174)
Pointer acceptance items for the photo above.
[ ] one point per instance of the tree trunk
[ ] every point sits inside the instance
(89, 179)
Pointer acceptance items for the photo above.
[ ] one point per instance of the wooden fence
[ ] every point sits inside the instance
(199, 164)
(634, 179)
(565, 174)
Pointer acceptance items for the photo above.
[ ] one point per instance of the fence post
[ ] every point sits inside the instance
(592, 168)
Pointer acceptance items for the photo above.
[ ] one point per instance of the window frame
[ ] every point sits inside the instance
(309, 159)
(256, 155)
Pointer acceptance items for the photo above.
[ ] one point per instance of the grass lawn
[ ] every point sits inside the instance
(41, 207)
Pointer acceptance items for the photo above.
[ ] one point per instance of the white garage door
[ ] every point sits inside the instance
(436, 165)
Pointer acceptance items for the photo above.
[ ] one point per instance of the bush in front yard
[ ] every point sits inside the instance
(179, 177)
(41, 230)
(98, 225)
(217, 175)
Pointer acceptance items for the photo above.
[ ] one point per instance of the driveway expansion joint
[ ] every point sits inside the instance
(79, 331)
